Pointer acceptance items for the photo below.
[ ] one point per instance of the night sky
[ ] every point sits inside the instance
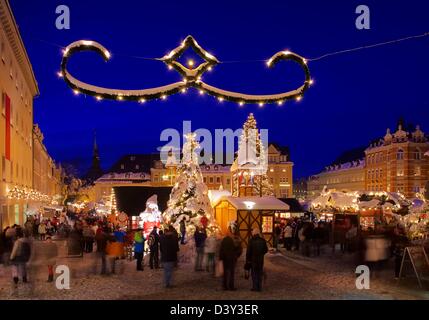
(356, 96)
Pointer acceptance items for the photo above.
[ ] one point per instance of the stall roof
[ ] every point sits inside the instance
(215, 195)
(255, 203)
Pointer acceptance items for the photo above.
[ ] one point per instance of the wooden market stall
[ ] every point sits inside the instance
(249, 213)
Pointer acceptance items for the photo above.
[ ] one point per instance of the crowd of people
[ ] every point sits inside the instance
(218, 255)
(86, 234)
(299, 235)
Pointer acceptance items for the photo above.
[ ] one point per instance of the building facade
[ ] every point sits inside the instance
(345, 177)
(29, 177)
(396, 163)
(280, 171)
(18, 87)
(149, 170)
(48, 178)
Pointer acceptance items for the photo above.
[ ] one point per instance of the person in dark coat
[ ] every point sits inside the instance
(230, 251)
(101, 238)
(318, 237)
(169, 247)
(182, 231)
(153, 242)
(256, 250)
(200, 237)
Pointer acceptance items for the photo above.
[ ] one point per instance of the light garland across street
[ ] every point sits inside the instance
(191, 77)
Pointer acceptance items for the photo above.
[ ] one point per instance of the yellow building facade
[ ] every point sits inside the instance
(18, 88)
(47, 177)
(280, 171)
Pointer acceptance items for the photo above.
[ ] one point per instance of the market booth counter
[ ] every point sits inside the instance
(249, 213)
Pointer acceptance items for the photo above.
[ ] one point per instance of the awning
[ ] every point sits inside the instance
(255, 203)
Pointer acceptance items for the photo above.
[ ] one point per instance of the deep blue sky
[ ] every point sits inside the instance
(355, 98)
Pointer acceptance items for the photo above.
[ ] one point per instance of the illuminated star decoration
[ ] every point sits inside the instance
(191, 77)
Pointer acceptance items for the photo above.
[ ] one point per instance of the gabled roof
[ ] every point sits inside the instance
(284, 150)
(350, 155)
(129, 162)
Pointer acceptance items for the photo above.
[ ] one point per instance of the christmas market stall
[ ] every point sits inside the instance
(249, 213)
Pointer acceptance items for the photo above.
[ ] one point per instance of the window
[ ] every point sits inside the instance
(205, 180)
(418, 171)
(3, 168)
(2, 49)
(218, 180)
(122, 166)
(416, 189)
(228, 181)
(400, 155)
(211, 179)
(400, 172)
(418, 154)
(137, 167)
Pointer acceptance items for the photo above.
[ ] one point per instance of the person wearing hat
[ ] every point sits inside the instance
(256, 250)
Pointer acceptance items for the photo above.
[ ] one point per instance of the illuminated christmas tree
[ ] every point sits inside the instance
(189, 197)
(250, 168)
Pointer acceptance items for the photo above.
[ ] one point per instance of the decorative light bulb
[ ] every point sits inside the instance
(311, 81)
(190, 63)
(107, 54)
(60, 74)
(241, 103)
(142, 100)
(98, 98)
(163, 97)
(201, 92)
(299, 98)
(170, 67)
(261, 104)
(76, 92)
(120, 98)
(220, 99)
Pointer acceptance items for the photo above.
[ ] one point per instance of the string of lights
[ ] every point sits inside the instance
(192, 76)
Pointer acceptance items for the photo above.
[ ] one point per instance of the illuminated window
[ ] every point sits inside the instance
(400, 155)
(418, 171)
